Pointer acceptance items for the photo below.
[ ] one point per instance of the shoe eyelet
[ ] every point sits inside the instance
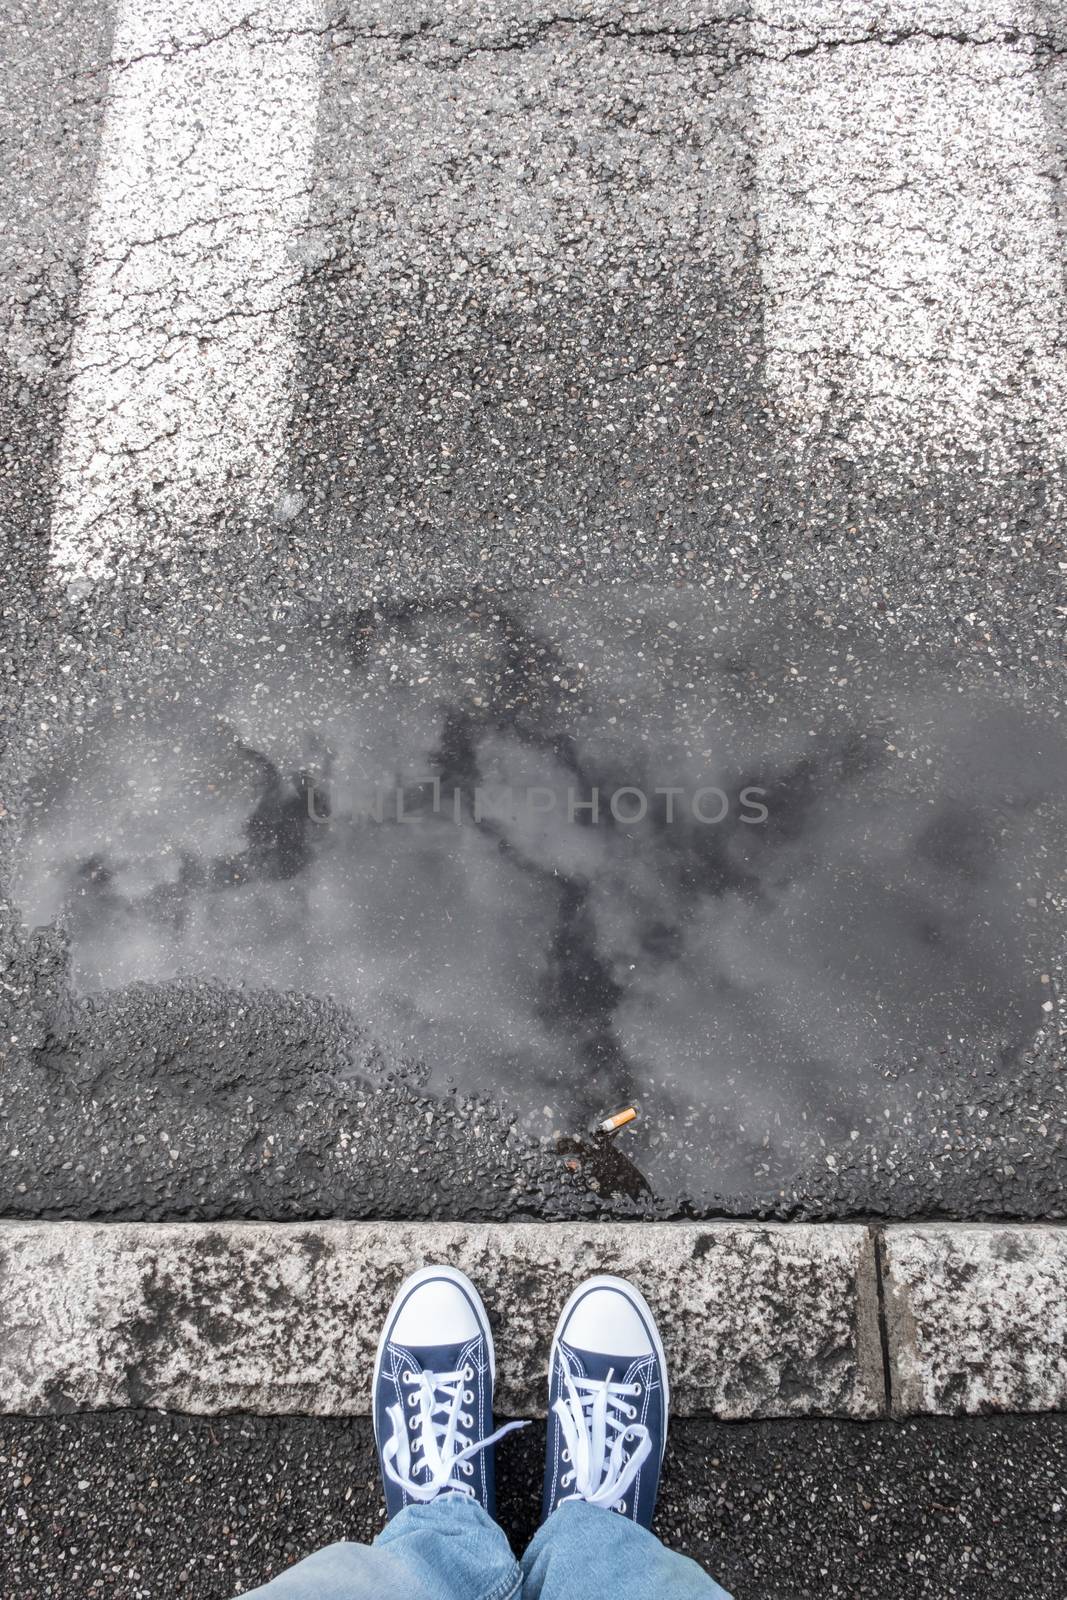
(467, 1468)
(468, 1397)
(468, 1373)
(466, 1420)
(413, 1399)
(566, 1480)
(408, 1376)
(565, 1455)
(621, 1507)
(631, 1412)
(637, 1390)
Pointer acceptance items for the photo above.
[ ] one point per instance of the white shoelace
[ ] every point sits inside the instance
(597, 1421)
(440, 1445)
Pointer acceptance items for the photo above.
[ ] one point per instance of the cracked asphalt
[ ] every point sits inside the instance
(314, 319)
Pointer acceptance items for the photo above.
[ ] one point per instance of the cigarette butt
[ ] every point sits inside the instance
(619, 1120)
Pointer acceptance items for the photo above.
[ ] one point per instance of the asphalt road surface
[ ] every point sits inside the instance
(487, 407)
(146, 1507)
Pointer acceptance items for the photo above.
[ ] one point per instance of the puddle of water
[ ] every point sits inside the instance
(811, 854)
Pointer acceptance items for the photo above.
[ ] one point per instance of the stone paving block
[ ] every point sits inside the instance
(976, 1317)
(758, 1320)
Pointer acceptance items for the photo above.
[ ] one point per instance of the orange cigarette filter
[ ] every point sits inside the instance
(619, 1120)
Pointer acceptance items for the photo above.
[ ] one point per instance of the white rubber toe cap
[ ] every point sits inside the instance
(435, 1311)
(605, 1317)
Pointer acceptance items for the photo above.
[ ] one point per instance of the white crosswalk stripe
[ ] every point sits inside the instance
(181, 371)
(905, 192)
(909, 246)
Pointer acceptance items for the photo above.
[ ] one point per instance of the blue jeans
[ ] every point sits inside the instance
(451, 1549)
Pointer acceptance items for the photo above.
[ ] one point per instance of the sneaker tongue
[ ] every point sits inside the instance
(439, 1357)
(594, 1364)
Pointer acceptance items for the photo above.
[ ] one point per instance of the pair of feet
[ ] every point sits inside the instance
(433, 1398)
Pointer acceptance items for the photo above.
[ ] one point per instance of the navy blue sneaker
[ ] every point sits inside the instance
(433, 1393)
(608, 1400)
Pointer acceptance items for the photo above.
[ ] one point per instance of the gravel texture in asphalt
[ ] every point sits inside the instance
(141, 1506)
(769, 308)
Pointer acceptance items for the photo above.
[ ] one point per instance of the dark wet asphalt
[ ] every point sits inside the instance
(643, 382)
(736, 868)
(146, 1507)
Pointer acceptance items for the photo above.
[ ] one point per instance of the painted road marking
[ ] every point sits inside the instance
(183, 359)
(909, 248)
